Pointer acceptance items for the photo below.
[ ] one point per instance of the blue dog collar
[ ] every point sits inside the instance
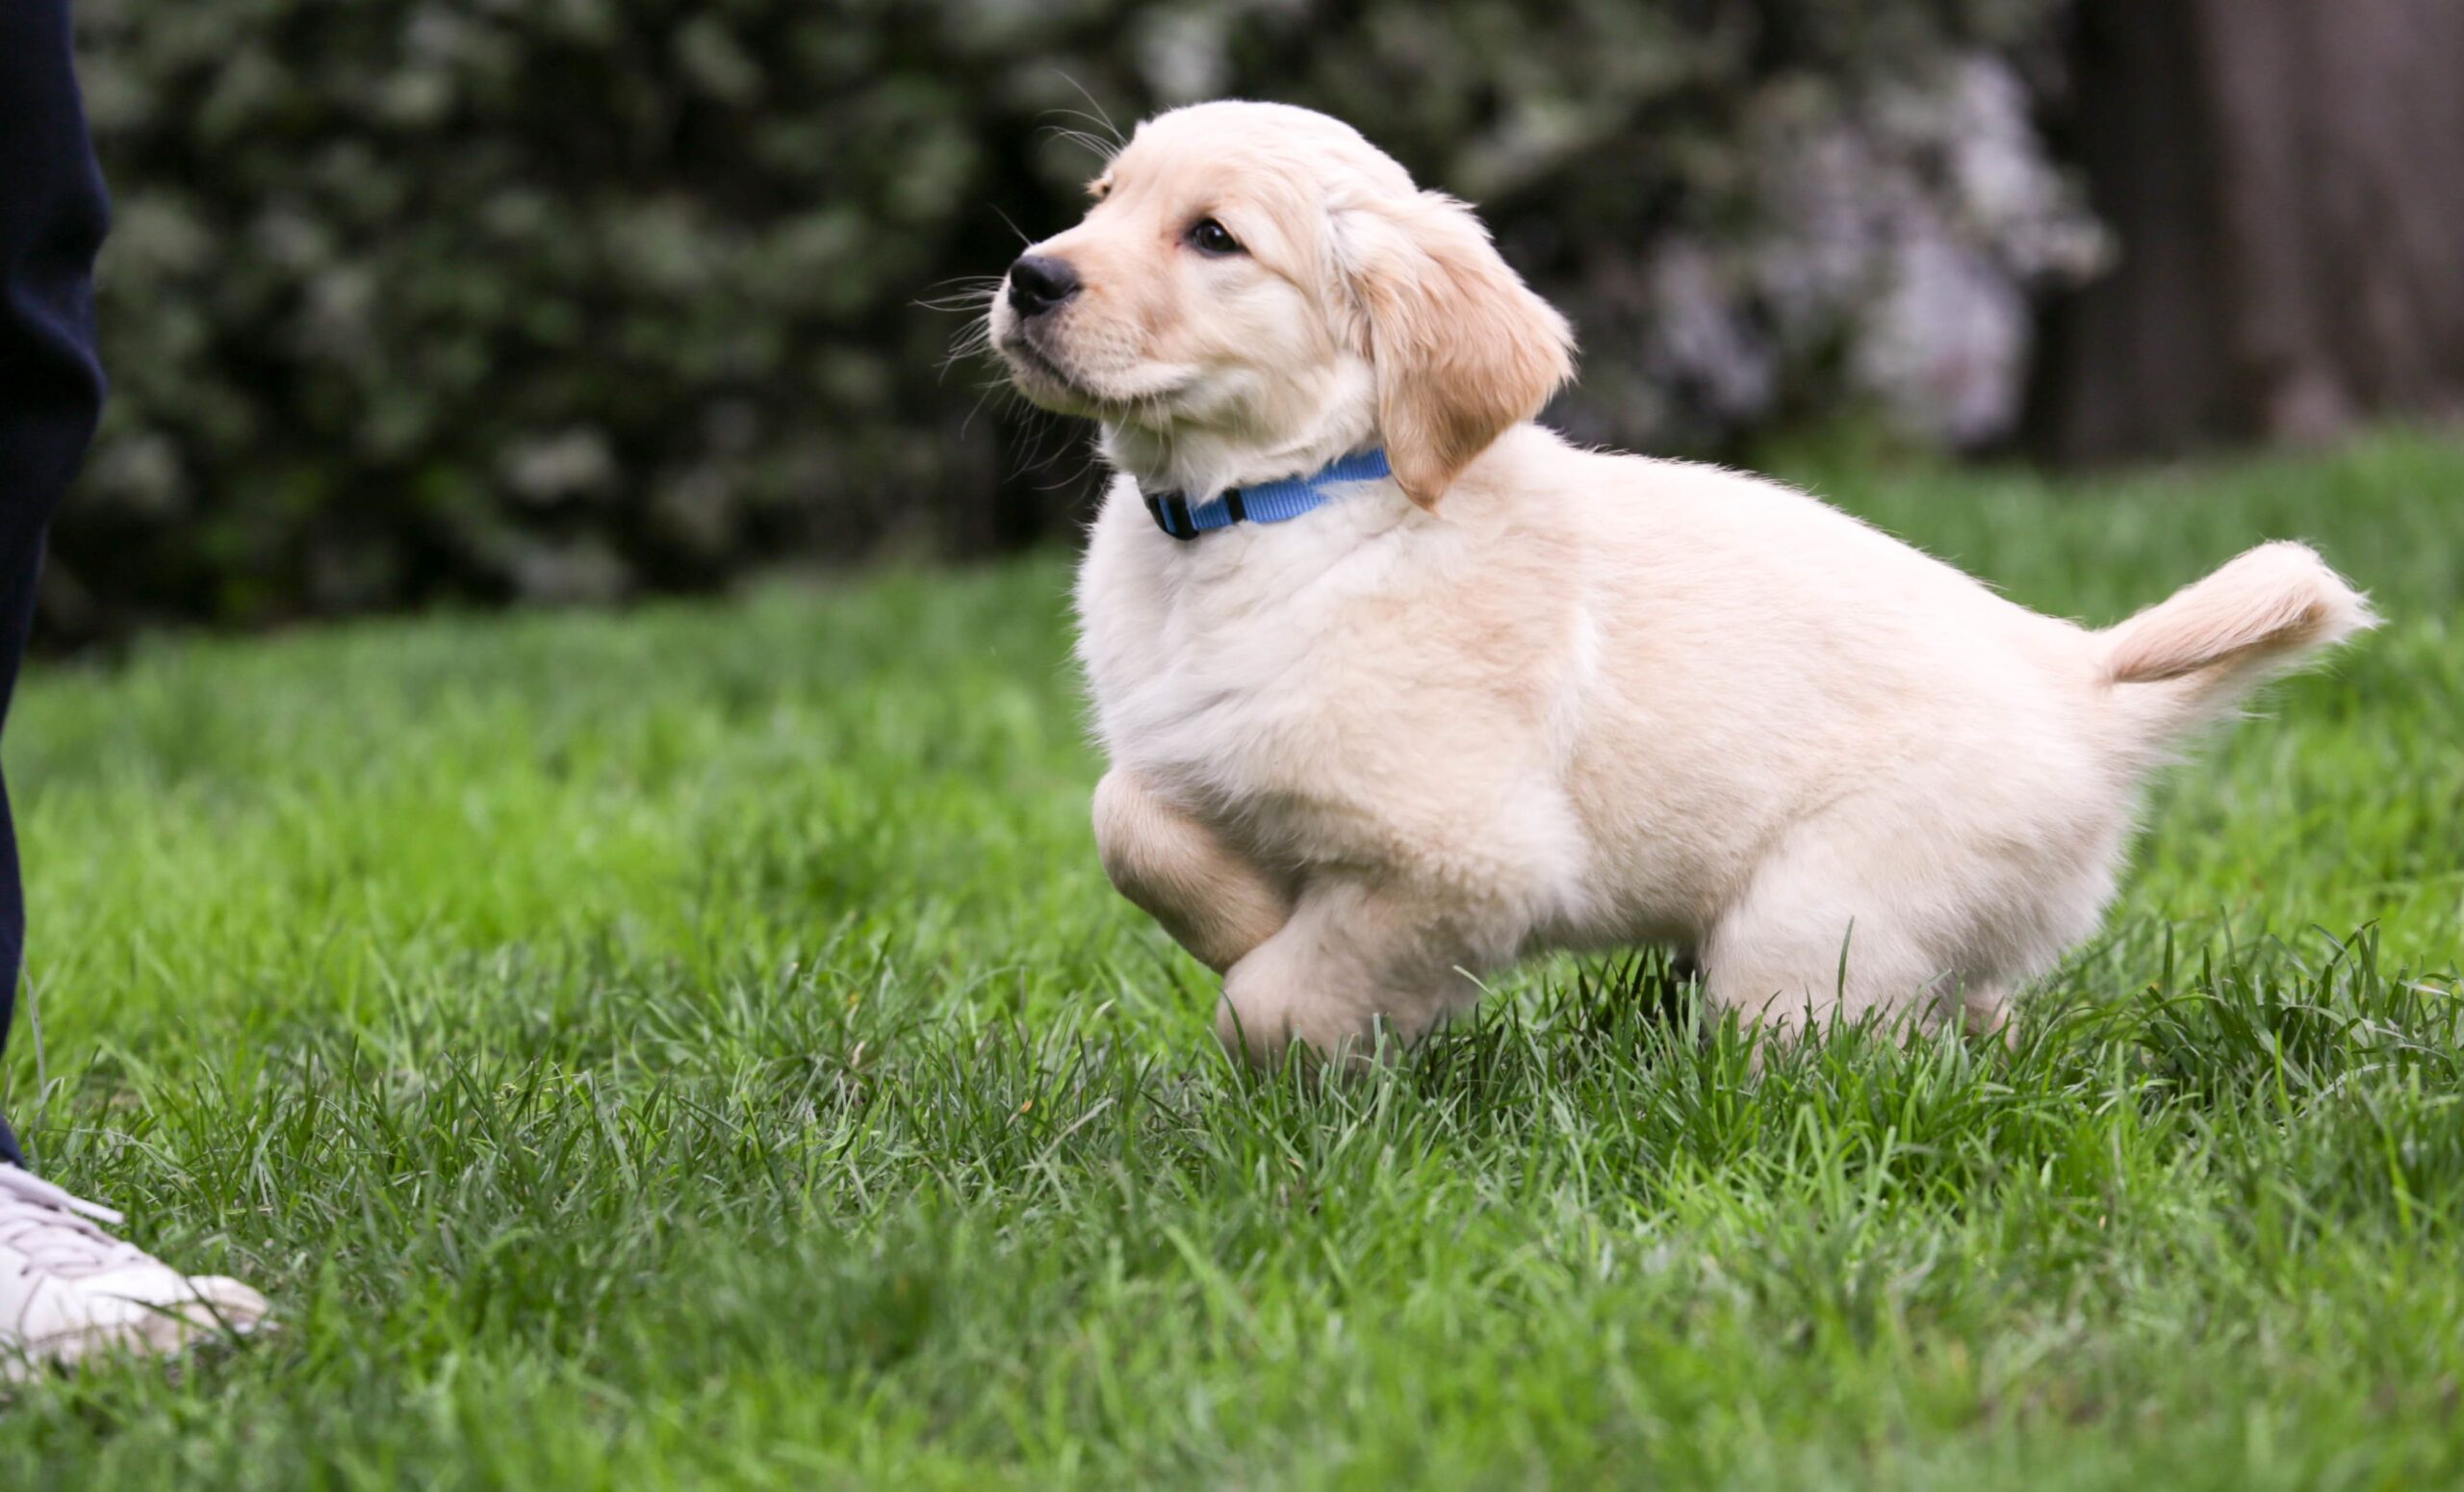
(1267, 503)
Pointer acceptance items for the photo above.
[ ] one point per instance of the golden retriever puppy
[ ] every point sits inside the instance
(1398, 687)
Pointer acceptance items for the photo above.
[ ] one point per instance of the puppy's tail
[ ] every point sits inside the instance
(2191, 657)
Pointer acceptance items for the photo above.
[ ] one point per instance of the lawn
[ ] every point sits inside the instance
(697, 1048)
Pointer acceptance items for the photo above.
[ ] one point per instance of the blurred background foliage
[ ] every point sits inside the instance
(482, 301)
(412, 300)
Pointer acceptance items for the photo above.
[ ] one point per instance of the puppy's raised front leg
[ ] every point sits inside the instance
(1214, 902)
(1349, 958)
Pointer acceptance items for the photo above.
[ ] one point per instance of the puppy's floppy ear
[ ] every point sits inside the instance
(1463, 349)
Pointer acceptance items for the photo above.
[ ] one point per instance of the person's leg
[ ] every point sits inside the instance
(67, 1288)
(52, 214)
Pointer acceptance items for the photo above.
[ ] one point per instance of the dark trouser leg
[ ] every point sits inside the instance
(52, 213)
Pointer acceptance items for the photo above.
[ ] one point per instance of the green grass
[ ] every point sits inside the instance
(697, 1047)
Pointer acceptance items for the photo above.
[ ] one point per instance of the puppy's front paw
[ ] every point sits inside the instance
(1326, 1038)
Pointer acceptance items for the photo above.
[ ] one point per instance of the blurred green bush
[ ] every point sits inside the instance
(486, 299)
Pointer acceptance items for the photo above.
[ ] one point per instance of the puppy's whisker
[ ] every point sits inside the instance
(982, 393)
(1099, 117)
(1024, 242)
(963, 353)
(1101, 150)
(1090, 459)
(1092, 465)
(975, 298)
(974, 340)
(1039, 424)
(966, 281)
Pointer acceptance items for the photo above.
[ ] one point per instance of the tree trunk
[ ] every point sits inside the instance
(2286, 178)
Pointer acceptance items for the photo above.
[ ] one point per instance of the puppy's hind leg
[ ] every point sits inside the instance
(1214, 902)
(1810, 941)
(1986, 1011)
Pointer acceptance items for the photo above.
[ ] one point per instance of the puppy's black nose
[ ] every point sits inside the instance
(1038, 282)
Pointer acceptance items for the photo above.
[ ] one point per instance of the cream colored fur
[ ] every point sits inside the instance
(1527, 696)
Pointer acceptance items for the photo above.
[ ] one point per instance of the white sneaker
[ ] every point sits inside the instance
(68, 1289)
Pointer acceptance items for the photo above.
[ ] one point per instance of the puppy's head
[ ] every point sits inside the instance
(1257, 284)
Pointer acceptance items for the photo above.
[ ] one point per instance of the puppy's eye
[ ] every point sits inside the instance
(1208, 236)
